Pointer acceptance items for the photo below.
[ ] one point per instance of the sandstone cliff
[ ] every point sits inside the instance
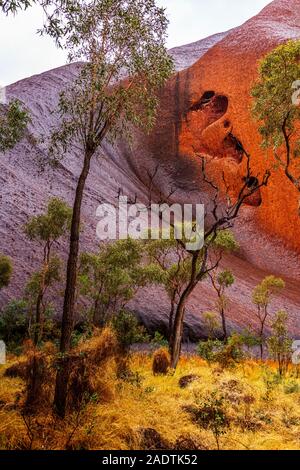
(204, 108)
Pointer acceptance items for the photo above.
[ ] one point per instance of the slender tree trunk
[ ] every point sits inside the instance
(177, 330)
(62, 377)
(38, 318)
(261, 349)
(39, 314)
(96, 312)
(224, 325)
(261, 346)
(261, 334)
(171, 317)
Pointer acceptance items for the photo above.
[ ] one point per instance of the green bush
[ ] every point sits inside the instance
(225, 354)
(209, 349)
(232, 353)
(128, 330)
(210, 413)
(14, 323)
(82, 332)
(6, 270)
(291, 387)
(159, 340)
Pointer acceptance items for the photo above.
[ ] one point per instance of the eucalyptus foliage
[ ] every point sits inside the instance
(121, 45)
(277, 107)
(262, 296)
(6, 270)
(113, 276)
(124, 63)
(49, 226)
(13, 123)
(46, 229)
(280, 343)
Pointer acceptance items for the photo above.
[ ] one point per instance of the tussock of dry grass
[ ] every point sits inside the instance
(263, 413)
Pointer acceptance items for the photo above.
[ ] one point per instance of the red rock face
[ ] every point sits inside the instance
(213, 116)
(205, 109)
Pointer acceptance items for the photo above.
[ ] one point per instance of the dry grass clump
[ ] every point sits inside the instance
(18, 369)
(87, 365)
(92, 366)
(161, 362)
(35, 369)
(39, 382)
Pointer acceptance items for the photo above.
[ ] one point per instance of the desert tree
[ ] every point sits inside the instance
(280, 343)
(217, 238)
(6, 270)
(173, 261)
(262, 297)
(113, 276)
(125, 63)
(277, 107)
(202, 262)
(46, 229)
(220, 282)
(177, 264)
(212, 324)
(35, 294)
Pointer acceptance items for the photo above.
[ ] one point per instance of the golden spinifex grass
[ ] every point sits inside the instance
(152, 412)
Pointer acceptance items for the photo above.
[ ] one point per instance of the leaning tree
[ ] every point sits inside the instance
(125, 63)
(218, 220)
(189, 267)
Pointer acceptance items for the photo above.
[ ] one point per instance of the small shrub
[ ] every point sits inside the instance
(17, 370)
(14, 323)
(232, 352)
(291, 387)
(6, 270)
(211, 324)
(208, 350)
(210, 414)
(161, 362)
(82, 332)
(225, 354)
(133, 378)
(250, 339)
(271, 381)
(128, 330)
(159, 340)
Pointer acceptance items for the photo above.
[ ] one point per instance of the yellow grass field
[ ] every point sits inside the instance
(263, 412)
